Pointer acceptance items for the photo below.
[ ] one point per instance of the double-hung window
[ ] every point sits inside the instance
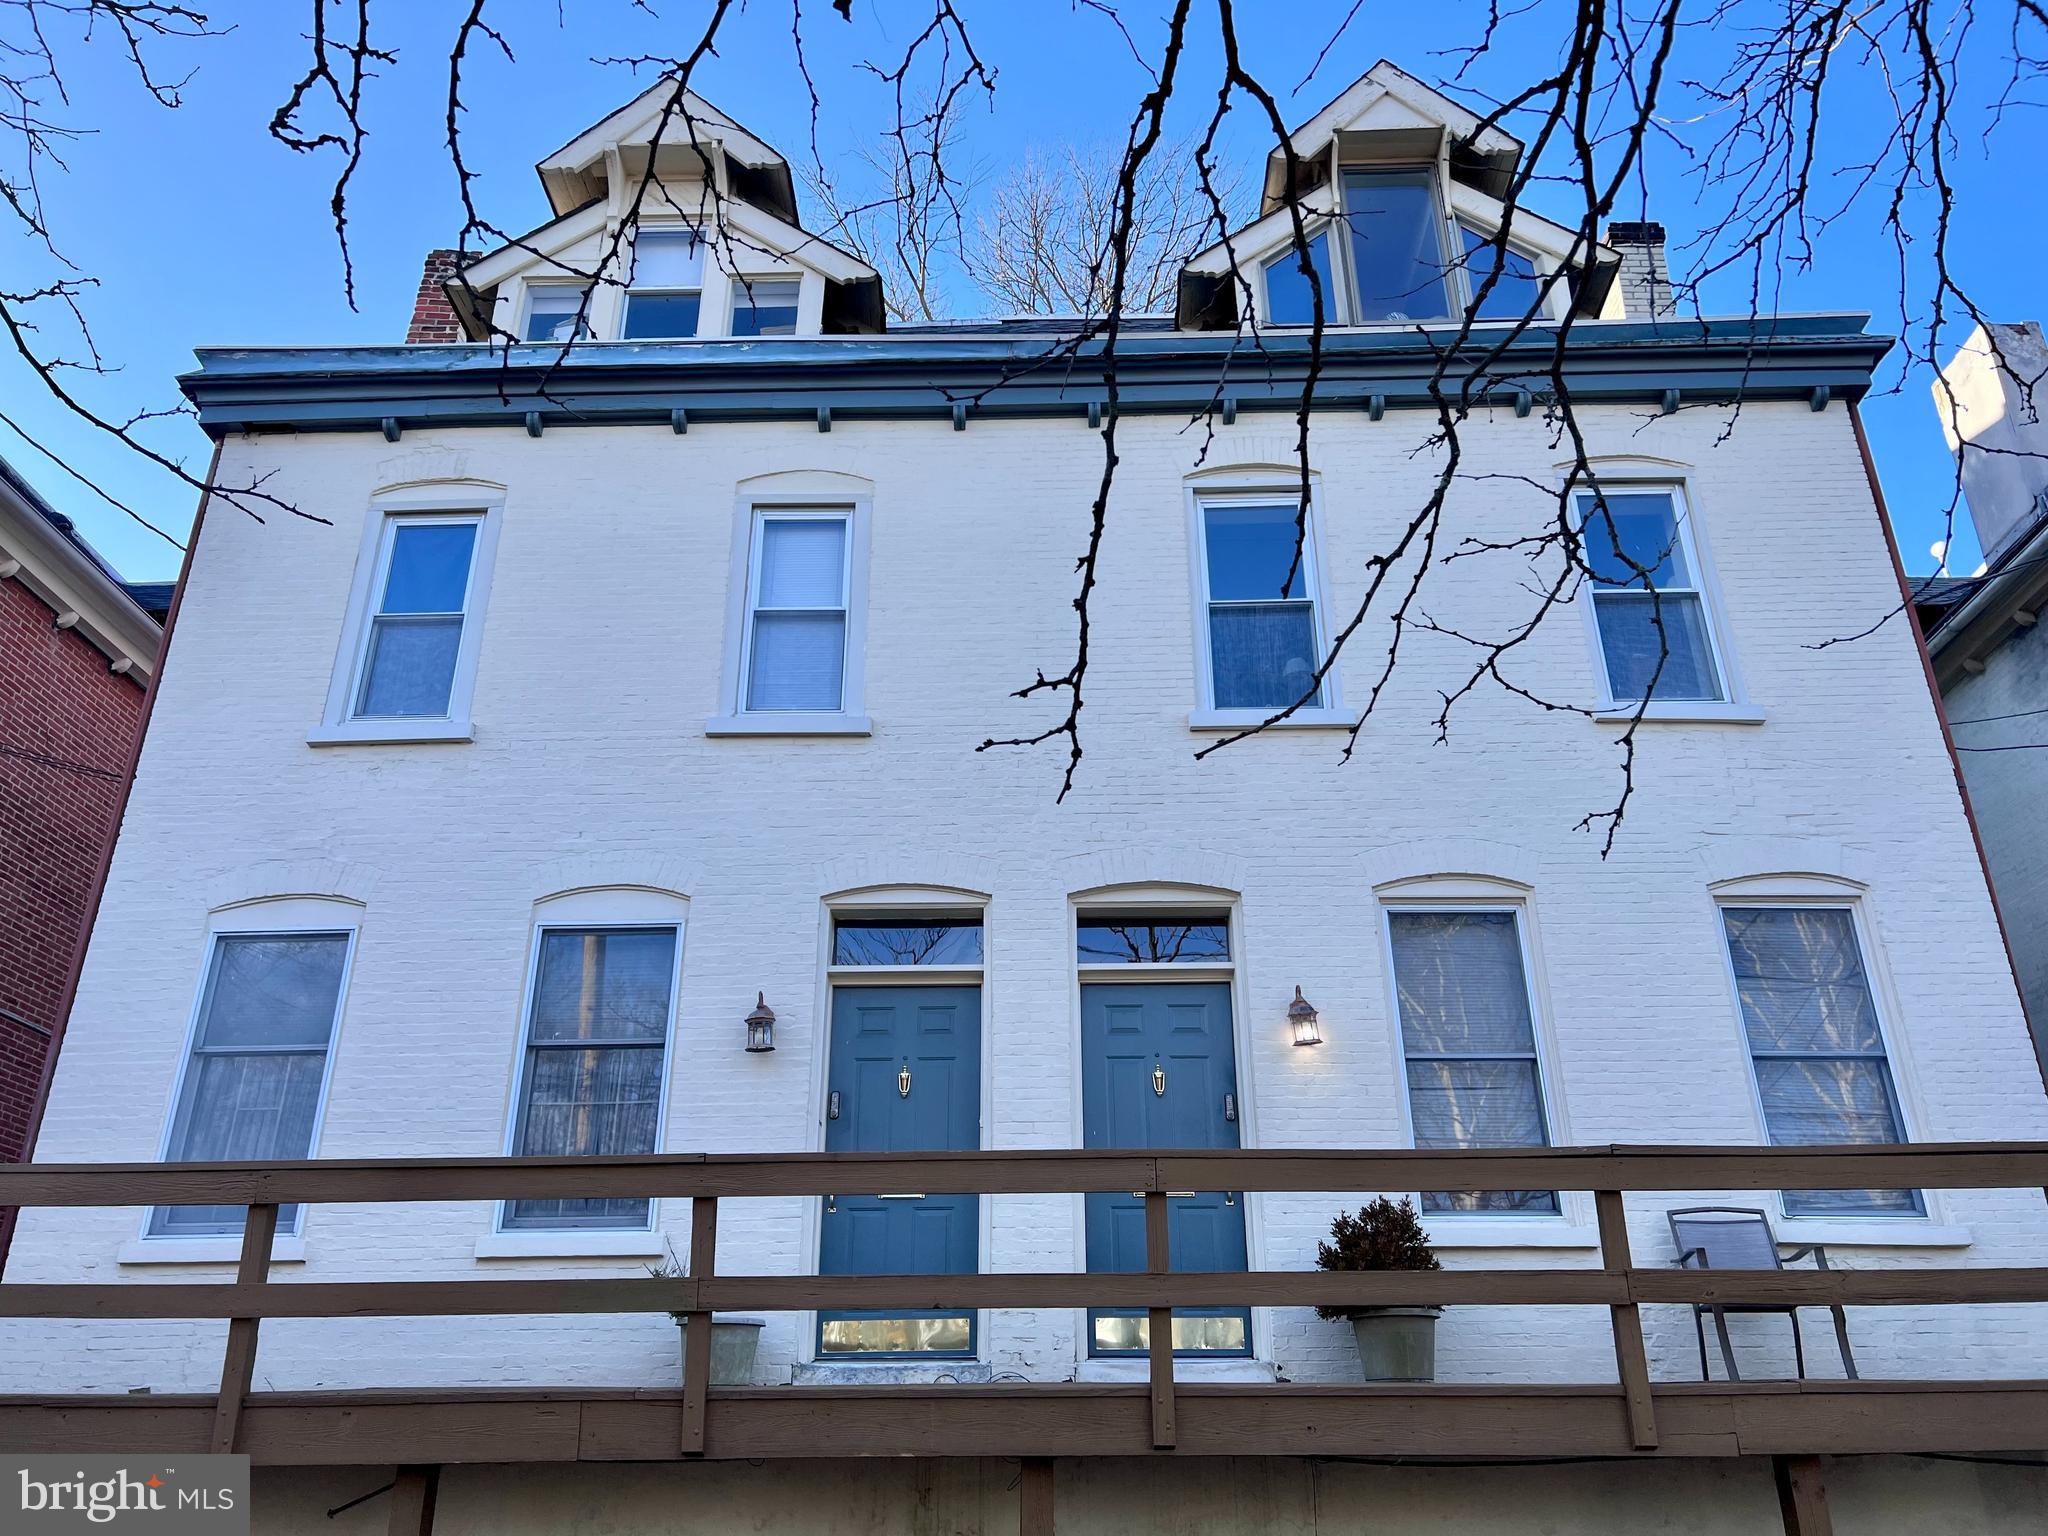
(764, 306)
(1468, 1040)
(257, 1068)
(797, 611)
(412, 642)
(1656, 634)
(1262, 635)
(597, 1034)
(552, 311)
(1816, 1044)
(666, 289)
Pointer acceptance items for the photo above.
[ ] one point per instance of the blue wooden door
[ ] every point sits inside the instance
(905, 1077)
(1159, 1070)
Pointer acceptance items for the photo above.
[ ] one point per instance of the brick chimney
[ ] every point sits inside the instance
(1645, 280)
(433, 317)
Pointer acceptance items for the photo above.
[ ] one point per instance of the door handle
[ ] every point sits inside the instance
(1229, 1106)
(832, 1106)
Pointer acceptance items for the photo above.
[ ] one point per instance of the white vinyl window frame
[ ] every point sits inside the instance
(1736, 894)
(1260, 491)
(534, 290)
(1477, 1222)
(854, 511)
(1735, 706)
(601, 908)
(708, 276)
(341, 725)
(267, 918)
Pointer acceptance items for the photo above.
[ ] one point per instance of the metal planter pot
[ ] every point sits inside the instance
(734, 1343)
(1397, 1343)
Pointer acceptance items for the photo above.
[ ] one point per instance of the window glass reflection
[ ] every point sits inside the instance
(888, 941)
(1149, 940)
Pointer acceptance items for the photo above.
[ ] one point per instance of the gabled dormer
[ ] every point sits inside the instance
(1400, 192)
(709, 244)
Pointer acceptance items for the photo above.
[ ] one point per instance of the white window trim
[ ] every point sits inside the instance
(742, 283)
(1567, 1226)
(1736, 707)
(531, 287)
(706, 272)
(600, 907)
(264, 917)
(1259, 490)
(339, 724)
(1921, 1228)
(850, 719)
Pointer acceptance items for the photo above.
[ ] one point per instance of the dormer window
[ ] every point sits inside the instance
(764, 306)
(1393, 270)
(1515, 284)
(551, 310)
(1288, 299)
(1397, 254)
(667, 287)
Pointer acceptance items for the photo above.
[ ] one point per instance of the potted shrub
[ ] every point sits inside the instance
(1394, 1343)
(734, 1340)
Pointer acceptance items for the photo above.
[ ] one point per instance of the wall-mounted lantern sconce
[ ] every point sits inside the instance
(761, 1025)
(1301, 1014)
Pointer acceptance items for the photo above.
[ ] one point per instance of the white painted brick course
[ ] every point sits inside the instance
(601, 659)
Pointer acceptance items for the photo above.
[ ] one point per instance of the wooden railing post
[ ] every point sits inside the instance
(1034, 1497)
(238, 1365)
(1630, 1356)
(413, 1492)
(697, 1325)
(1802, 1496)
(1160, 1325)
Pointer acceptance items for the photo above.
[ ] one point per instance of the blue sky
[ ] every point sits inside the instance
(205, 232)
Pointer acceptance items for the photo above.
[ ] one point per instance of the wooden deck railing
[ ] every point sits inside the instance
(1609, 1172)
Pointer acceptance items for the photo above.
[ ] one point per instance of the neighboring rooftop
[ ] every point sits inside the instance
(42, 549)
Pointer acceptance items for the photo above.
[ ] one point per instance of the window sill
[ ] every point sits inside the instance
(793, 723)
(204, 1250)
(1300, 720)
(1683, 712)
(387, 733)
(1875, 1232)
(1536, 1232)
(571, 1245)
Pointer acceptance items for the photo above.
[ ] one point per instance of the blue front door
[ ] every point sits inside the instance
(1159, 1070)
(905, 1077)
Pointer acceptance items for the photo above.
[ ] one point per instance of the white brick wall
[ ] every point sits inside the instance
(601, 659)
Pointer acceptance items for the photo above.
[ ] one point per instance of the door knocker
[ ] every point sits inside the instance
(1158, 1080)
(903, 1082)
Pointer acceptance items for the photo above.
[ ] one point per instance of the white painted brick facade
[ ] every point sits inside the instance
(601, 659)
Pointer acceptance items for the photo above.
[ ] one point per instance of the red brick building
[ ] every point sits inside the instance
(77, 647)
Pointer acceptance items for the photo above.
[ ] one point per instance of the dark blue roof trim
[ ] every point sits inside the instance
(924, 375)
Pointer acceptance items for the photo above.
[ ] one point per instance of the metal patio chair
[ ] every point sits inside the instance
(1736, 1237)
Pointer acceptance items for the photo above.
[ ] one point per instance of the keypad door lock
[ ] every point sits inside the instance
(832, 1106)
(1230, 1107)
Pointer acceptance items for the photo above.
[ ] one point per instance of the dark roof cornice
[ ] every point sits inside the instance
(996, 371)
